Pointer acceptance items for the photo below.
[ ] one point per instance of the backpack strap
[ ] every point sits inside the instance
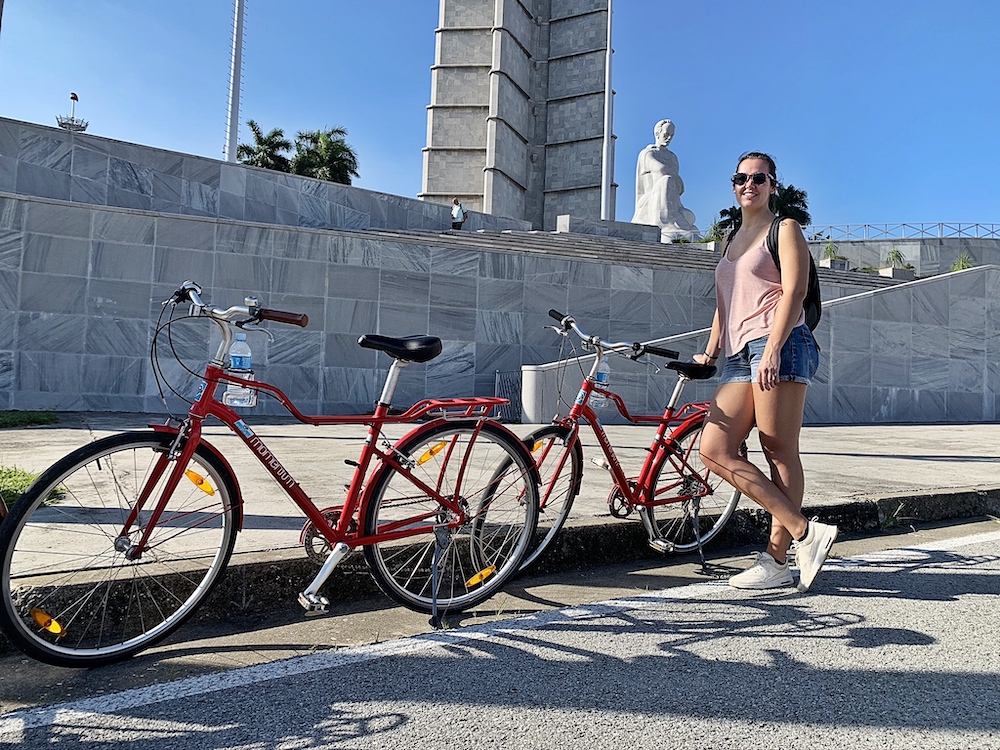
(772, 239)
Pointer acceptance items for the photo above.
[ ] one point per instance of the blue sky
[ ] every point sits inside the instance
(882, 111)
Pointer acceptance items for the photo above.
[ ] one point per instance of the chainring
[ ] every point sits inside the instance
(316, 546)
(617, 504)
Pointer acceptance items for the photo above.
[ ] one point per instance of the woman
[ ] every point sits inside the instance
(770, 357)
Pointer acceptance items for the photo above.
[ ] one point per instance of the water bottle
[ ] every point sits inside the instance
(601, 378)
(241, 365)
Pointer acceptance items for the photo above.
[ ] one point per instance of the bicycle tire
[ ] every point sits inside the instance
(556, 493)
(674, 521)
(70, 596)
(475, 559)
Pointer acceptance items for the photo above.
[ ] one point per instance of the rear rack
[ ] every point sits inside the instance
(455, 408)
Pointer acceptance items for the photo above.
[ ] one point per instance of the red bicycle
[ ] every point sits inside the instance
(116, 544)
(681, 503)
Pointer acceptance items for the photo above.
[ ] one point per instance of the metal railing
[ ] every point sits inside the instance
(902, 231)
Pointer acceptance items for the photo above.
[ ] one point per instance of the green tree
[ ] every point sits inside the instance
(791, 202)
(266, 151)
(325, 155)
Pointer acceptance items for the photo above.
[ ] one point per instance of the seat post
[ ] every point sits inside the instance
(682, 380)
(389, 387)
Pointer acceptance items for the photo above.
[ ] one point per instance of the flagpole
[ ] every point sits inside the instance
(234, 83)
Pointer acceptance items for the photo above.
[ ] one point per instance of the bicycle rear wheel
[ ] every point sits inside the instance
(560, 468)
(492, 477)
(691, 492)
(70, 594)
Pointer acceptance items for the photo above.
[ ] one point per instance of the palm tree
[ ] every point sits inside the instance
(267, 151)
(325, 155)
(791, 202)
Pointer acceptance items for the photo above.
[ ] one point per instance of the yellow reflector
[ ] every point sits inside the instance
(199, 481)
(44, 621)
(430, 453)
(481, 576)
(538, 445)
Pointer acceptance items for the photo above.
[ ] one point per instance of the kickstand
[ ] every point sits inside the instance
(697, 536)
(440, 543)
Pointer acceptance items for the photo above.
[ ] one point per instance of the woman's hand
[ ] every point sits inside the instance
(768, 369)
(703, 359)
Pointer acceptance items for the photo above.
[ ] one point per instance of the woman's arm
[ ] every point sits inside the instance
(794, 255)
(712, 349)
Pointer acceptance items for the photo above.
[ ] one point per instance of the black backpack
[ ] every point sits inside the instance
(812, 304)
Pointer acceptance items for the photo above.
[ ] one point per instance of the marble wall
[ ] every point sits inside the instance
(923, 351)
(53, 163)
(81, 286)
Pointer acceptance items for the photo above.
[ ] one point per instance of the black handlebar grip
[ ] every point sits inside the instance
(555, 314)
(666, 353)
(281, 316)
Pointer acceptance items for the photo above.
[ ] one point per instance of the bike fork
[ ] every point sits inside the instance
(311, 599)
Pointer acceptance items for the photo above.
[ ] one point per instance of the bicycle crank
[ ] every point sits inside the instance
(316, 546)
(618, 505)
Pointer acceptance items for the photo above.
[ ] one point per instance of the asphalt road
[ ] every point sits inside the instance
(896, 646)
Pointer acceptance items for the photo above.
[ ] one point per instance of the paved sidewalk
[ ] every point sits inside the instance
(933, 471)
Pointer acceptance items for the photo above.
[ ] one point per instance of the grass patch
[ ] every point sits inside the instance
(13, 481)
(26, 418)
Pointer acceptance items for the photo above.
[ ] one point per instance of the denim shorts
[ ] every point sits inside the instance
(799, 359)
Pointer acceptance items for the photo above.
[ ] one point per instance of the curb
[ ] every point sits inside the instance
(264, 583)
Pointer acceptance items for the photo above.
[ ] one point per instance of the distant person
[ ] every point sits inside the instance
(458, 214)
(770, 356)
(658, 188)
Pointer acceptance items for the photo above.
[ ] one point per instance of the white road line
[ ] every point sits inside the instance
(16, 723)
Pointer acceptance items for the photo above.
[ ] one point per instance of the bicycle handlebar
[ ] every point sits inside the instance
(189, 291)
(282, 316)
(568, 323)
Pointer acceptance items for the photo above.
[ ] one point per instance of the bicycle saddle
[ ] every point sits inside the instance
(692, 370)
(409, 348)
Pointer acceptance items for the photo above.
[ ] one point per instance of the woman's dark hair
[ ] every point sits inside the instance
(772, 203)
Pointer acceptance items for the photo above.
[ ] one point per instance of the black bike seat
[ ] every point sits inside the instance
(693, 370)
(409, 348)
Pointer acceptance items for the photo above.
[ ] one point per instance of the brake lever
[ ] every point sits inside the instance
(247, 325)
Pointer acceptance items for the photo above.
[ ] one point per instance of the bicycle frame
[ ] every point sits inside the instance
(660, 447)
(189, 436)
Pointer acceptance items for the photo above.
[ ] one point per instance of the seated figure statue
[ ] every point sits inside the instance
(658, 189)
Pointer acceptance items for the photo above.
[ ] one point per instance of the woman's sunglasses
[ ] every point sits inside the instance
(759, 178)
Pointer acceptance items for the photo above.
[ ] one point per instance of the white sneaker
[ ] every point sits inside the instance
(765, 573)
(811, 552)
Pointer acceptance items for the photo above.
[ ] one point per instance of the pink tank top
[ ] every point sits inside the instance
(747, 291)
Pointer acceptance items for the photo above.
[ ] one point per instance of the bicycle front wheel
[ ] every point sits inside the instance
(691, 503)
(446, 559)
(559, 459)
(72, 595)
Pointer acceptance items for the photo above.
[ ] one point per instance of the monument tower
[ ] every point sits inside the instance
(519, 123)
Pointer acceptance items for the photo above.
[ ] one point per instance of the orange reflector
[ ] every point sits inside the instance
(45, 621)
(538, 445)
(481, 576)
(199, 481)
(430, 453)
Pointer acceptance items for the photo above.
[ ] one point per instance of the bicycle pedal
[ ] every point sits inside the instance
(314, 604)
(662, 545)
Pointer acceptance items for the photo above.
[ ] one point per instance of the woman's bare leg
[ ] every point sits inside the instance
(730, 419)
(779, 423)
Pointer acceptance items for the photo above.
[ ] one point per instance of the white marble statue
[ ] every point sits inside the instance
(658, 189)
